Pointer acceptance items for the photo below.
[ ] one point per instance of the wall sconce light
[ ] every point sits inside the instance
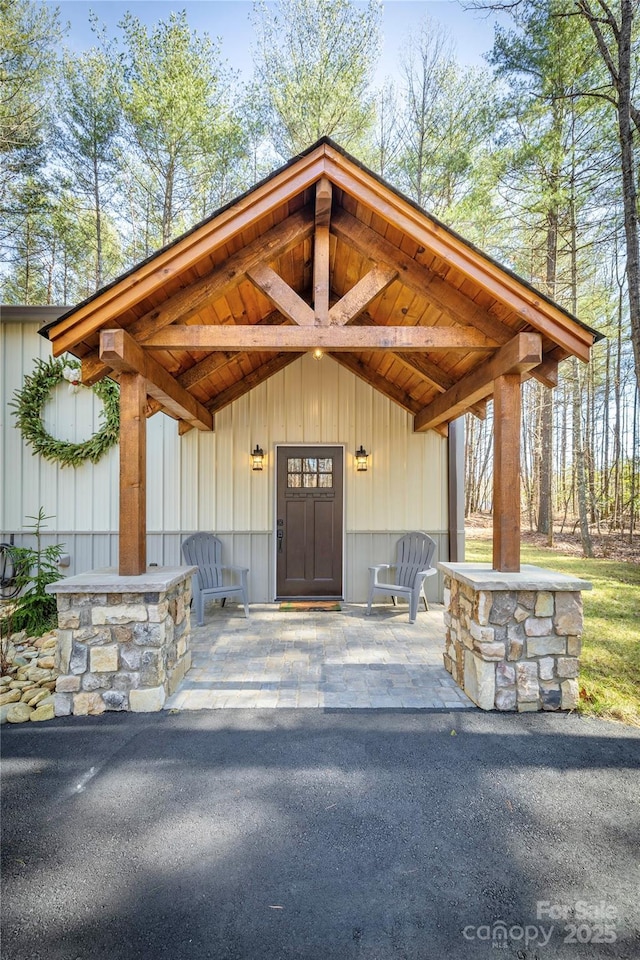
(362, 458)
(257, 458)
(317, 354)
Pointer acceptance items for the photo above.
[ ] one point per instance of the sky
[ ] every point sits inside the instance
(471, 31)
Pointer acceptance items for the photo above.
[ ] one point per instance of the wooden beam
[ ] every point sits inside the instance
(252, 337)
(528, 304)
(200, 371)
(187, 302)
(546, 373)
(321, 283)
(324, 192)
(454, 304)
(506, 473)
(416, 365)
(252, 380)
(360, 296)
(380, 383)
(189, 250)
(516, 357)
(132, 559)
(121, 352)
(244, 385)
(281, 294)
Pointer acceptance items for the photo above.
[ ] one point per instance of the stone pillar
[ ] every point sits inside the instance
(123, 642)
(513, 639)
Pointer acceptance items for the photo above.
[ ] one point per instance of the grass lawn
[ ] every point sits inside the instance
(610, 661)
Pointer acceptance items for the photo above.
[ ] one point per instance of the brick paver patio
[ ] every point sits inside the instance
(329, 659)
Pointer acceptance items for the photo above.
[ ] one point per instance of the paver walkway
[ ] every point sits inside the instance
(330, 659)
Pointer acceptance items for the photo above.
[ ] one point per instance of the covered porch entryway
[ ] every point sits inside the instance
(322, 260)
(299, 659)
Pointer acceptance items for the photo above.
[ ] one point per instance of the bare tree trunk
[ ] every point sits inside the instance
(578, 448)
(98, 214)
(616, 51)
(634, 458)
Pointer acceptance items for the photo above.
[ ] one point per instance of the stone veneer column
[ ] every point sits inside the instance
(123, 642)
(513, 639)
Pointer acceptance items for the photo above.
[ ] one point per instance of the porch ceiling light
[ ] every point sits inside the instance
(317, 354)
(362, 458)
(257, 458)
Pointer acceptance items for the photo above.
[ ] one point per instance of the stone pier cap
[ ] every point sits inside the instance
(481, 576)
(107, 580)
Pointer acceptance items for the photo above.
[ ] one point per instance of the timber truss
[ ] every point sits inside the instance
(321, 257)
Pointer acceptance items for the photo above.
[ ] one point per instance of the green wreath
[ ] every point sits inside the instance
(30, 400)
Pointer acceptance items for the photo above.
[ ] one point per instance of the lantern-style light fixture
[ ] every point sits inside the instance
(318, 354)
(362, 458)
(257, 458)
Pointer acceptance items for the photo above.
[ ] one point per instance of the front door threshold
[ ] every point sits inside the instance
(308, 599)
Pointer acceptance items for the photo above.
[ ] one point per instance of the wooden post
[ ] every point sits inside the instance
(133, 475)
(321, 282)
(507, 404)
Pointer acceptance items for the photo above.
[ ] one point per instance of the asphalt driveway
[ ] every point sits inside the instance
(369, 834)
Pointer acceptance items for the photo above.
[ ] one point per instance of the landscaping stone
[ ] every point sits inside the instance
(45, 711)
(19, 713)
(12, 696)
(38, 697)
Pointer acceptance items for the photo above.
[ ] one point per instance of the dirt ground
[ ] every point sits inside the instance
(608, 544)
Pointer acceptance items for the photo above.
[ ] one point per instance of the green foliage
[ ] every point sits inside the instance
(30, 32)
(176, 100)
(29, 402)
(35, 610)
(315, 60)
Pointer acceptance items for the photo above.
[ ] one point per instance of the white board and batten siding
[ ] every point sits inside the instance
(204, 481)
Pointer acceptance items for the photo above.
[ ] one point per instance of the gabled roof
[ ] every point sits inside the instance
(322, 254)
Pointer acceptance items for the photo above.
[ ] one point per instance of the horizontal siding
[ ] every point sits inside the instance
(203, 481)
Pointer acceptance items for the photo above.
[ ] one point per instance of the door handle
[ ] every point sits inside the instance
(280, 536)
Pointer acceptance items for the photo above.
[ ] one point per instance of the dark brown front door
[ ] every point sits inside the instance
(309, 522)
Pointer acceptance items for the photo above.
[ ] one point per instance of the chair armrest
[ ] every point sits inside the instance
(227, 566)
(426, 573)
(383, 566)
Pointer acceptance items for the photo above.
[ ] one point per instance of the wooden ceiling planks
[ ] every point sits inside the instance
(473, 291)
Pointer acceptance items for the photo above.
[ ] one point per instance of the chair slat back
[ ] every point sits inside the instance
(204, 551)
(414, 552)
